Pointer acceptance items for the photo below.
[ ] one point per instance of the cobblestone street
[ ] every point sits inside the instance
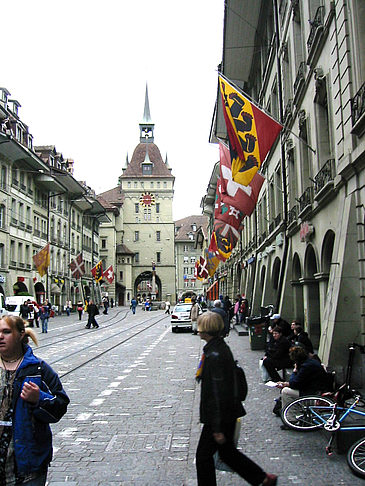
(133, 418)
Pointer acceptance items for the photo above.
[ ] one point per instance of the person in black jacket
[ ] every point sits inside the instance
(301, 339)
(93, 311)
(219, 310)
(277, 354)
(219, 409)
(308, 378)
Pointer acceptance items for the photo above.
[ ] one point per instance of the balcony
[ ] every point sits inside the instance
(358, 112)
(37, 232)
(324, 178)
(21, 225)
(299, 81)
(305, 200)
(15, 182)
(293, 215)
(14, 222)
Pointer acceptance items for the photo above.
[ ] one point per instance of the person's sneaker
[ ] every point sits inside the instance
(270, 480)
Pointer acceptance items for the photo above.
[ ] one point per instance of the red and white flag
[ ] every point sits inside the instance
(77, 267)
(109, 274)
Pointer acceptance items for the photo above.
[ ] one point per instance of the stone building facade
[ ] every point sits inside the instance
(303, 249)
(41, 202)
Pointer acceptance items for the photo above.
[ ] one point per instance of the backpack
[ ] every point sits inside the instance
(240, 382)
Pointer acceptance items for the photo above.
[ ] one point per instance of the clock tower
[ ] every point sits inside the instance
(148, 227)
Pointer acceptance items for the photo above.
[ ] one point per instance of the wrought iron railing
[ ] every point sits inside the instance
(306, 198)
(300, 76)
(325, 175)
(358, 105)
(315, 23)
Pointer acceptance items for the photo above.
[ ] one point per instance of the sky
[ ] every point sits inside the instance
(79, 70)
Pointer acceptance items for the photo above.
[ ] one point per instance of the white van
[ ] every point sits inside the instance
(14, 302)
(3, 311)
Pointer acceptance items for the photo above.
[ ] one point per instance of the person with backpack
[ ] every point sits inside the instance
(32, 397)
(220, 406)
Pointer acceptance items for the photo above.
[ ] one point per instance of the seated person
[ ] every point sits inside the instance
(277, 354)
(277, 320)
(291, 336)
(301, 339)
(308, 378)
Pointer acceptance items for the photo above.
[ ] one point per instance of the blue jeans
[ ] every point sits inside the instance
(38, 481)
(45, 324)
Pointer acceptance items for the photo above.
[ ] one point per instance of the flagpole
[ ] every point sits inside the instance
(264, 110)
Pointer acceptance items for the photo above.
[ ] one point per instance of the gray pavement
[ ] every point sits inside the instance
(133, 418)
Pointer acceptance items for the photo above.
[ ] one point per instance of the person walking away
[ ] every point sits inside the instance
(237, 309)
(111, 302)
(133, 305)
(80, 309)
(218, 309)
(194, 313)
(68, 307)
(168, 305)
(36, 313)
(44, 316)
(32, 397)
(219, 409)
(105, 304)
(93, 311)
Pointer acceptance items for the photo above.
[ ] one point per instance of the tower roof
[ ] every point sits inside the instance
(146, 153)
(146, 114)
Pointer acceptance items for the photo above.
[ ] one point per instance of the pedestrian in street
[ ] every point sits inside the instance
(32, 398)
(25, 312)
(105, 304)
(36, 313)
(219, 409)
(80, 308)
(243, 308)
(218, 309)
(168, 305)
(68, 307)
(194, 313)
(44, 316)
(111, 302)
(133, 305)
(93, 311)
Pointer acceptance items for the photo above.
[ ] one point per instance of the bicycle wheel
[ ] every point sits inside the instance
(307, 413)
(356, 458)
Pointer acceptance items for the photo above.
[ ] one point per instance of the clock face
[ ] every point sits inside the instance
(147, 199)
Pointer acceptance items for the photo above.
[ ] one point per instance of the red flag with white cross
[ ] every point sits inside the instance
(109, 274)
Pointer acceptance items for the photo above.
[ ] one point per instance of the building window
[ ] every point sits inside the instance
(121, 275)
(129, 185)
(146, 169)
(158, 184)
(135, 184)
(186, 270)
(136, 258)
(2, 216)
(103, 243)
(165, 184)
(147, 214)
(192, 259)
(186, 259)
(157, 207)
(1, 255)
(158, 235)
(152, 185)
(3, 177)
(136, 208)
(136, 236)
(137, 219)
(158, 257)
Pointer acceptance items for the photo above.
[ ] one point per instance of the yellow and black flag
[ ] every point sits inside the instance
(97, 271)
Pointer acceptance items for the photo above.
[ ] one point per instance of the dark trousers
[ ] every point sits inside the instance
(272, 366)
(91, 320)
(237, 461)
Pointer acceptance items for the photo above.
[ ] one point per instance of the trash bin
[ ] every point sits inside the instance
(257, 327)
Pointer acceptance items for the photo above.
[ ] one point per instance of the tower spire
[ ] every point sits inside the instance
(146, 127)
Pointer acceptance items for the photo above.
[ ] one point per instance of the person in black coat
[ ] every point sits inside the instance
(220, 408)
(308, 378)
(277, 354)
(93, 311)
(301, 339)
(277, 320)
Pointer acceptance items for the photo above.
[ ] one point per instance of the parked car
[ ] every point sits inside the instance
(180, 316)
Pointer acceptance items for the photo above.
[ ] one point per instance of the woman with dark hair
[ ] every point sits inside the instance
(308, 378)
(32, 397)
(219, 409)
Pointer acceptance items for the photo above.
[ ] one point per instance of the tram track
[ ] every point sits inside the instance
(104, 351)
(81, 332)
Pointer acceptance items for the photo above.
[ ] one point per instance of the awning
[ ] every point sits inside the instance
(55, 289)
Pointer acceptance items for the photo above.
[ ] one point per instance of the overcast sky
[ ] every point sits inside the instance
(79, 69)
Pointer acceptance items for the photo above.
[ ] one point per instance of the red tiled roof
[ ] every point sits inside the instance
(185, 226)
(134, 168)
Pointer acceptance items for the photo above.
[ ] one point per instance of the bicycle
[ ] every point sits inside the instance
(328, 412)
